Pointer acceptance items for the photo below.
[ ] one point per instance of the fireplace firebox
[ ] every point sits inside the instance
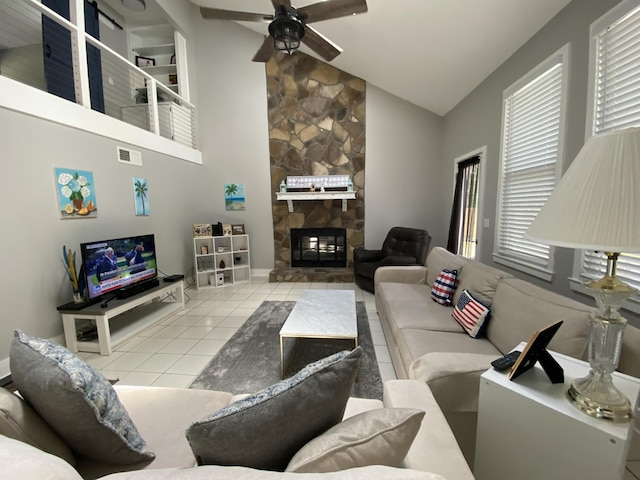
(318, 247)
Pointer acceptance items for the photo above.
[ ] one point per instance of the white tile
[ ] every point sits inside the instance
(375, 326)
(221, 312)
(382, 353)
(232, 303)
(100, 362)
(185, 320)
(208, 321)
(221, 333)
(233, 322)
(170, 332)
(151, 331)
(142, 379)
(179, 345)
(207, 347)
(128, 361)
(378, 338)
(189, 365)
(150, 345)
(159, 362)
(131, 343)
(174, 381)
(196, 333)
(113, 374)
(387, 372)
(243, 312)
(277, 297)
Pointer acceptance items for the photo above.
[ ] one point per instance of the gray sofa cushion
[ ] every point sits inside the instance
(267, 428)
(76, 401)
(521, 308)
(20, 422)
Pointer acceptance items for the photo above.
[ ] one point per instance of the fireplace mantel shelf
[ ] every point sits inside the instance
(291, 196)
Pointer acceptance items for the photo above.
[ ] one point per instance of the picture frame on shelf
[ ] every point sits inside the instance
(202, 230)
(226, 230)
(238, 229)
(143, 62)
(204, 250)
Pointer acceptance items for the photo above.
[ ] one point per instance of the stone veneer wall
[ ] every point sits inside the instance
(316, 127)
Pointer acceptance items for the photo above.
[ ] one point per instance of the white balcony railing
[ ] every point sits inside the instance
(42, 49)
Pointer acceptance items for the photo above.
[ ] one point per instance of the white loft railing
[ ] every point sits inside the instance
(109, 84)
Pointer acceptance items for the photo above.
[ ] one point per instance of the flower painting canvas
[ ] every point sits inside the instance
(76, 193)
(141, 196)
(234, 196)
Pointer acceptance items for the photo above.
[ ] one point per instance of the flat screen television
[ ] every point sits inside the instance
(119, 264)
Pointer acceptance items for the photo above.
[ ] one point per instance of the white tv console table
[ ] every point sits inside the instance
(122, 318)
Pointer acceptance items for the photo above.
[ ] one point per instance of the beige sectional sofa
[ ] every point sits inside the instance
(162, 415)
(427, 344)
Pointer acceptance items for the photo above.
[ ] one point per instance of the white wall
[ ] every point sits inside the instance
(403, 178)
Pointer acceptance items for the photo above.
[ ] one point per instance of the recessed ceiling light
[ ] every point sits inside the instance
(135, 5)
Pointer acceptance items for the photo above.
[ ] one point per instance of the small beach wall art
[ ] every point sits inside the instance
(234, 198)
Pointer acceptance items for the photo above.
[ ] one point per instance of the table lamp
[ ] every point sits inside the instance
(596, 206)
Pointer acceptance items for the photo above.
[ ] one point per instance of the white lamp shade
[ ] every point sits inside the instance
(596, 204)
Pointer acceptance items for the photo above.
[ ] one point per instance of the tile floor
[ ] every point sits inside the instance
(172, 353)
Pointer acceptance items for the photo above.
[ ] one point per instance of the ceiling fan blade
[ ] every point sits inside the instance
(333, 9)
(320, 44)
(281, 3)
(265, 52)
(218, 14)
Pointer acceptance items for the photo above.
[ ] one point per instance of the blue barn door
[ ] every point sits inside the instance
(58, 61)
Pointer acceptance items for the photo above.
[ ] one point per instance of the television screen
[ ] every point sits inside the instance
(111, 265)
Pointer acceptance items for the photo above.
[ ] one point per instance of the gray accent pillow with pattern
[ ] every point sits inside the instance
(267, 428)
(76, 401)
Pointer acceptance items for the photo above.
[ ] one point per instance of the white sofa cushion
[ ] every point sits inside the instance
(216, 472)
(20, 422)
(22, 461)
(521, 308)
(376, 437)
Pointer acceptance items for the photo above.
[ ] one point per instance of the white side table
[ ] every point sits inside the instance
(528, 428)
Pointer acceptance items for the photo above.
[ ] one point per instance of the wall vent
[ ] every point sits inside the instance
(130, 157)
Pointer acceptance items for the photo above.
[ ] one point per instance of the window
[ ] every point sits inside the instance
(614, 90)
(532, 117)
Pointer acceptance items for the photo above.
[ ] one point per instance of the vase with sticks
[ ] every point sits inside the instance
(77, 279)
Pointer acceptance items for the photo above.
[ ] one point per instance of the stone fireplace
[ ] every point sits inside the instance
(318, 247)
(316, 127)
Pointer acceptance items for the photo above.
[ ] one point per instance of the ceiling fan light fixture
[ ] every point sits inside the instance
(286, 31)
(135, 5)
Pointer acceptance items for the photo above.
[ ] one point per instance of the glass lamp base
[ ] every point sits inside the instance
(597, 396)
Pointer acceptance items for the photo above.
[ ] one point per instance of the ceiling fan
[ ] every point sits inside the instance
(289, 25)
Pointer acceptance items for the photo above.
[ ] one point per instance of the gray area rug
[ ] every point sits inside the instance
(250, 360)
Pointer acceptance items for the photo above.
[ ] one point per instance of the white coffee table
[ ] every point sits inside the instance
(321, 314)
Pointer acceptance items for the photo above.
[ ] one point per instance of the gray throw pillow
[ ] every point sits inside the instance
(76, 401)
(377, 437)
(267, 428)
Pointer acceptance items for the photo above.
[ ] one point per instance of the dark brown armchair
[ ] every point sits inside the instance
(403, 246)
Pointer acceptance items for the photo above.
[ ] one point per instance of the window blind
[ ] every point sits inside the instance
(532, 117)
(616, 105)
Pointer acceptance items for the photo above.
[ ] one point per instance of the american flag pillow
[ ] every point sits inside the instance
(444, 286)
(470, 313)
